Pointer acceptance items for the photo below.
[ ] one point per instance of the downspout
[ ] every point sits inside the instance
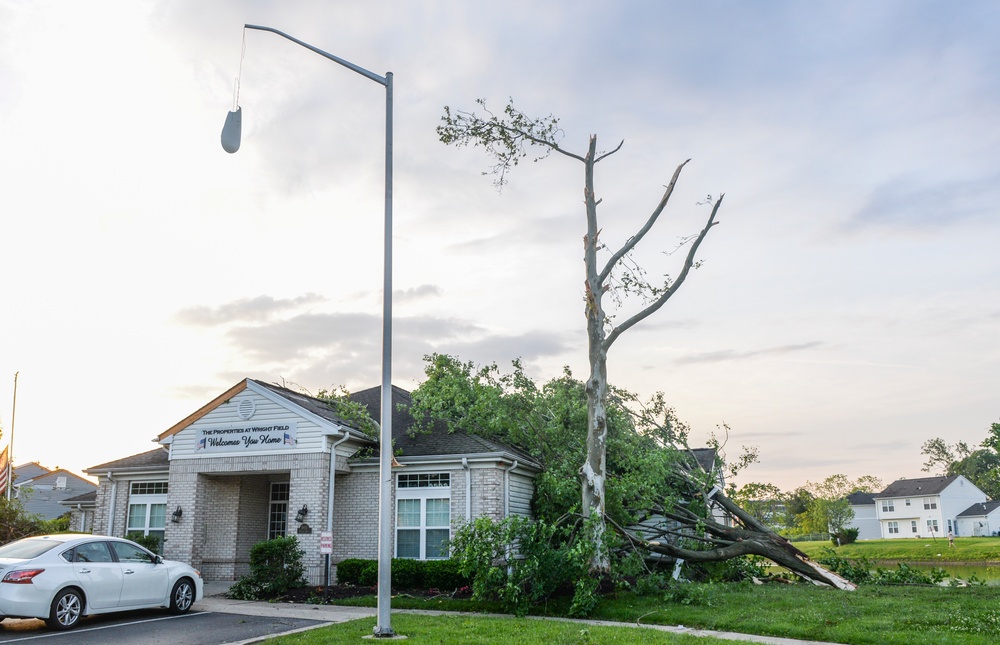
(329, 501)
(468, 489)
(111, 510)
(506, 489)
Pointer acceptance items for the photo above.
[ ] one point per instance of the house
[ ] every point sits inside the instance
(980, 519)
(925, 507)
(865, 518)
(261, 461)
(81, 511)
(42, 490)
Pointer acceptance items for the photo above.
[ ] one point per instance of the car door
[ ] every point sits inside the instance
(144, 582)
(98, 573)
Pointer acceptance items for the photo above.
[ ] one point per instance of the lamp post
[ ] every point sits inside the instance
(231, 143)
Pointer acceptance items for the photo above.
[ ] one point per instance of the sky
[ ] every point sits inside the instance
(847, 308)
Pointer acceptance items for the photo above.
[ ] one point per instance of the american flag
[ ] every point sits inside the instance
(4, 467)
(201, 444)
(288, 440)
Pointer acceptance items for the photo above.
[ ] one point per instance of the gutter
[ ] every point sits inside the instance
(468, 489)
(329, 501)
(506, 489)
(111, 510)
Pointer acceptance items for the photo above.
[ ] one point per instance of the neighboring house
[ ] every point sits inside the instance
(81, 511)
(980, 519)
(865, 517)
(255, 463)
(41, 490)
(925, 507)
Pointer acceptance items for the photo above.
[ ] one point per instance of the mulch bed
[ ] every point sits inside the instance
(323, 594)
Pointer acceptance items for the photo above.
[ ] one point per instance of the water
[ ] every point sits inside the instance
(989, 573)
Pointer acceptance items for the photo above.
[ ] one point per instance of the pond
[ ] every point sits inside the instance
(987, 572)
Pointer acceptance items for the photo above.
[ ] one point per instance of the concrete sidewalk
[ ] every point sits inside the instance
(215, 601)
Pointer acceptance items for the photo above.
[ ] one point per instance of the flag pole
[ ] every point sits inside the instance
(10, 447)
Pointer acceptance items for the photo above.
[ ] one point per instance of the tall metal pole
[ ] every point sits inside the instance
(383, 628)
(10, 447)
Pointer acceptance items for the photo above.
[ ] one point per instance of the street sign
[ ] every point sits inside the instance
(326, 542)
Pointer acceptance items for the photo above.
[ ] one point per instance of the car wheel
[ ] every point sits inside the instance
(182, 596)
(66, 609)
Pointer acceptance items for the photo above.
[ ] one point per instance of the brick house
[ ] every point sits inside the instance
(255, 463)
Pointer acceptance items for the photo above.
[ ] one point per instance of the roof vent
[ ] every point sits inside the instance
(247, 408)
(61, 483)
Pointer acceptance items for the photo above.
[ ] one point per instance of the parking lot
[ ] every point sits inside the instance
(156, 628)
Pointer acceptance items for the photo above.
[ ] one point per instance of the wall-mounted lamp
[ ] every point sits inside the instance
(301, 515)
(175, 517)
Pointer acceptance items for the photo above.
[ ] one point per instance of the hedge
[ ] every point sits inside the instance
(406, 573)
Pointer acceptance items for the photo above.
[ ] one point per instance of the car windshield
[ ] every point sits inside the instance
(28, 548)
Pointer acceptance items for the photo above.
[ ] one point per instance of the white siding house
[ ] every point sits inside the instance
(980, 519)
(925, 507)
(865, 517)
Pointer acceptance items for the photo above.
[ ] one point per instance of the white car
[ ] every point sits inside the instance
(61, 578)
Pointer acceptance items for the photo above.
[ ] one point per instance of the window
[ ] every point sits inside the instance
(888, 506)
(125, 552)
(277, 512)
(893, 527)
(913, 526)
(91, 552)
(147, 510)
(423, 515)
(907, 502)
(930, 503)
(932, 526)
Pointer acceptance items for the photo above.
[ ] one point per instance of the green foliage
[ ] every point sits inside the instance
(55, 525)
(547, 557)
(979, 465)
(275, 567)
(355, 414)
(862, 571)
(646, 441)
(828, 510)
(15, 522)
(505, 138)
(406, 574)
(844, 536)
(146, 541)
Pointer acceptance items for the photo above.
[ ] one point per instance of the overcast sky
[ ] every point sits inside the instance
(848, 307)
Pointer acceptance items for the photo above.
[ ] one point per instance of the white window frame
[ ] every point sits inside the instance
(932, 526)
(279, 494)
(888, 506)
(893, 527)
(151, 497)
(423, 488)
(914, 527)
(930, 503)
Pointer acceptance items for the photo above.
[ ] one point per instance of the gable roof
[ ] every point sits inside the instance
(857, 498)
(42, 494)
(980, 508)
(917, 487)
(438, 441)
(29, 471)
(155, 459)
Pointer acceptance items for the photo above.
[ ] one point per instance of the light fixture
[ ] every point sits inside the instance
(175, 517)
(231, 143)
(301, 515)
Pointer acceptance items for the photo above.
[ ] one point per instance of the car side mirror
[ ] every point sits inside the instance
(157, 560)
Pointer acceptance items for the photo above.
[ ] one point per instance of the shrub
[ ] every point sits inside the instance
(275, 567)
(145, 541)
(406, 573)
(844, 536)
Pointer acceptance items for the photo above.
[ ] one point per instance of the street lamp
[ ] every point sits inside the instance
(231, 143)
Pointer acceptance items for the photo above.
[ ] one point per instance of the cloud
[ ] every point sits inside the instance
(733, 355)
(422, 292)
(909, 202)
(247, 309)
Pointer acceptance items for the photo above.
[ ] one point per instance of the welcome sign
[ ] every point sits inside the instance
(247, 437)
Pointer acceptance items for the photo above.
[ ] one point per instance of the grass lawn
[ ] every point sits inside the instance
(872, 615)
(470, 628)
(967, 549)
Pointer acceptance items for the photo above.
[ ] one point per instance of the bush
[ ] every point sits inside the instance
(275, 567)
(406, 573)
(844, 536)
(145, 541)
